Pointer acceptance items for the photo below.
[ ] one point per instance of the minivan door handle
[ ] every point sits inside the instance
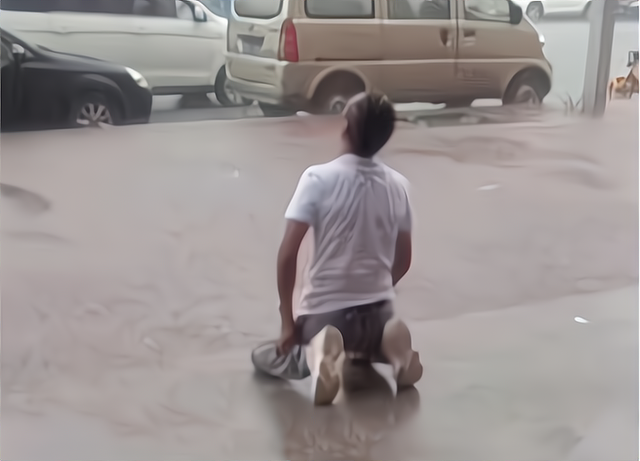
(468, 37)
(445, 38)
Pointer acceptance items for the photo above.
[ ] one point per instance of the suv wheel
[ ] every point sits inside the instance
(269, 110)
(93, 109)
(226, 95)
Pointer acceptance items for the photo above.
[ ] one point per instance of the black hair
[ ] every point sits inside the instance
(370, 123)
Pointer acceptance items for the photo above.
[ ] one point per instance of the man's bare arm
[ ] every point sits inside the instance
(402, 261)
(287, 267)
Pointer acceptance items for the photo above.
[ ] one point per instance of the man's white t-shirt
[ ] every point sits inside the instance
(356, 207)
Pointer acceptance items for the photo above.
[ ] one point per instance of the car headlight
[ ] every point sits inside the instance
(542, 39)
(137, 77)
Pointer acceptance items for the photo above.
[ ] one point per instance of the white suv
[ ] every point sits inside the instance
(536, 9)
(178, 45)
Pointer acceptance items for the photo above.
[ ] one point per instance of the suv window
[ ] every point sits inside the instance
(183, 10)
(419, 9)
(487, 10)
(25, 5)
(79, 6)
(156, 8)
(220, 8)
(261, 9)
(338, 9)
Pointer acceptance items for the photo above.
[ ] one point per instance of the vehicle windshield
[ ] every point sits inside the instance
(11, 37)
(220, 8)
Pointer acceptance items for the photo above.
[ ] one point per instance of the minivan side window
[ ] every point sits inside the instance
(340, 9)
(419, 9)
(259, 9)
(487, 10)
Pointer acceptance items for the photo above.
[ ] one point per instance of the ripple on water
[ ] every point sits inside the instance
(25, 200)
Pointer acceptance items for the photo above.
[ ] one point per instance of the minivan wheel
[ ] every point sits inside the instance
(93, 109)
(525, 89)
(270, 110)
(535, 11)
(226, 95)
(333, 94)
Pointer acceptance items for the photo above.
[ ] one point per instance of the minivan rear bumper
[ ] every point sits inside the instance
(271, 81)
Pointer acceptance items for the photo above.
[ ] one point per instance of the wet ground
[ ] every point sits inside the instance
(138, 273)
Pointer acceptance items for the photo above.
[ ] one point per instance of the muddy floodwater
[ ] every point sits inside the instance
(138, 271)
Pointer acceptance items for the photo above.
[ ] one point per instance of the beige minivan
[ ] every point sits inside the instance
(312, 55)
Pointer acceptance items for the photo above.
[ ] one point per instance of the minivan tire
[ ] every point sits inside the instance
(525, 88)
(535, 11)
(270, 110)
(334, 92)
(222, 91)
(94, 108)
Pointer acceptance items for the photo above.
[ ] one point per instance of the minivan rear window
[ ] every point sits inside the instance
(261, 9)
(340, 9)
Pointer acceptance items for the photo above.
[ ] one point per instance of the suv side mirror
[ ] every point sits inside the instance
(515, 14)
(199, 14)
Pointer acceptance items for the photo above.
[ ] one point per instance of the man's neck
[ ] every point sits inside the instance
(345, 149)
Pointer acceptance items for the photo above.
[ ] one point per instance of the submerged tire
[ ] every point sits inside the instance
(334, 92)
(526, 88)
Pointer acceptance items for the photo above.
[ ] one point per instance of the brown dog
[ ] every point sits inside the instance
(624, 86)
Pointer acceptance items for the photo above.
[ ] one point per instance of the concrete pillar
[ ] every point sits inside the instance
(602, 19)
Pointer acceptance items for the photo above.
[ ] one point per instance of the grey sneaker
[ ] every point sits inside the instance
(291, 366)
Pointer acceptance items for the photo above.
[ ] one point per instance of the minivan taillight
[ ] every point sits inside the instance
(288, 42)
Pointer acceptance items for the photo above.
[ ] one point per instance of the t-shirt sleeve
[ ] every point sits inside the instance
(304, 203)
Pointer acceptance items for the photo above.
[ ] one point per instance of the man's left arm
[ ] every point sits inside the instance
(299, 215)
(287, 268)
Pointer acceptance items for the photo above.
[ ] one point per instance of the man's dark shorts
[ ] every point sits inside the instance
(361, 327)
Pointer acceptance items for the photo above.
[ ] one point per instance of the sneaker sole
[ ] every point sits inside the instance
(327, 383)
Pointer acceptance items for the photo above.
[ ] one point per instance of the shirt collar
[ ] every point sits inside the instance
(353, 159)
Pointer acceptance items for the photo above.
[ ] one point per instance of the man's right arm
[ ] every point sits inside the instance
(402, 260)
